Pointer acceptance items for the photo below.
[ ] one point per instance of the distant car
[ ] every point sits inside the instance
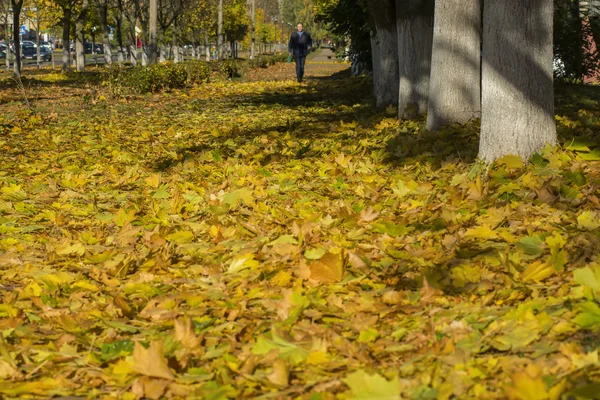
(45, 53)
(28, 52)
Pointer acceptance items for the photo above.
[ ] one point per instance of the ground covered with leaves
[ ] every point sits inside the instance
(268, 239)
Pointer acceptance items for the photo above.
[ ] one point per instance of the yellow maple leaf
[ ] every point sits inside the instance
(328, 269)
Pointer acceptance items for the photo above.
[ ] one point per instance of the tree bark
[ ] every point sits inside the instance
(7, 26)
(207, 47)
(16, 6)
(119, 20)
(455, 82)
(80, 36)
(153, 32)
(176, 52)
(384, 47)
(415, 38)
(102, 8)
(37, 37)
(66, 39)
(517, 81)
(252, 45)
(220, 31)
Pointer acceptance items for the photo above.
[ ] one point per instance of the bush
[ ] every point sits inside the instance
(154, 78)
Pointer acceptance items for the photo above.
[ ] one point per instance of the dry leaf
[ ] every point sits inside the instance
(151, 361)
(328, 269)
(280, 375)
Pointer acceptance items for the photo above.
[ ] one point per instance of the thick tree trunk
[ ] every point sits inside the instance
(153, 23)
(384, 47)
(455, 82)
(220, 31)
(415, 37)
(517, 81)
(66, 40)
(80, 36)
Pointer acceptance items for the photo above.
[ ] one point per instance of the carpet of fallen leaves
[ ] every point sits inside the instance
(268, 239)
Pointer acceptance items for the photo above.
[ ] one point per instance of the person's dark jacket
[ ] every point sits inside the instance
(300, 45)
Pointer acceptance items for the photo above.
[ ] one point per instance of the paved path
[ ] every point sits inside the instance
(318, 65)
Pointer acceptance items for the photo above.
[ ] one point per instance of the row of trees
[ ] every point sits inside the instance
(457, 60)
(163, 23)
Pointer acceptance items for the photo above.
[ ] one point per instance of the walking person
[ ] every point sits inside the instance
(299, 46)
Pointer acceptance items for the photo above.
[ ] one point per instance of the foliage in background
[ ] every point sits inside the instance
(349, 21)
(154, 78)
(574, 45)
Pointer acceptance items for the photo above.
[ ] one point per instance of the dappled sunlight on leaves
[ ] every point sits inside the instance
(264, 237)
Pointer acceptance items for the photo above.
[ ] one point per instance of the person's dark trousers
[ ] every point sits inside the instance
(300, 61)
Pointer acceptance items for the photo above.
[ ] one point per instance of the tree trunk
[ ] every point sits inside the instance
(153, 32)
(455, 82)
(7, 26)
(16, 6)
(415, 38)
(384, 46)
(517, 115)
(207, 47)
(253, 11)
(119, 20)
(37, 37)
(80, 36)
(133, 50)
(102, 7)
(220, 31)
(176, 52)
(66, 39)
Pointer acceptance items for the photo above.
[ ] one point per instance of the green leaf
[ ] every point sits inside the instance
(284, 239)
(589, 315)
(316, 253)
(365, 386)
(532, 245)
(392, 229)
(161, 193)
(239, 196)
(181, 237)
(588, 276)
(593, 155)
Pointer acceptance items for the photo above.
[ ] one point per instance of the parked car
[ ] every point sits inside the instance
(45, 53)
(88, 46)
(28, 52)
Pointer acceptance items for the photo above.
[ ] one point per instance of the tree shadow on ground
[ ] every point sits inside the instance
(324, 101)
(316, 105)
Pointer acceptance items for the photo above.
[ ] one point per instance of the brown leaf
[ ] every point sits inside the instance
(428, 293)
(150, 361)
(184, 333)
(280, 375)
